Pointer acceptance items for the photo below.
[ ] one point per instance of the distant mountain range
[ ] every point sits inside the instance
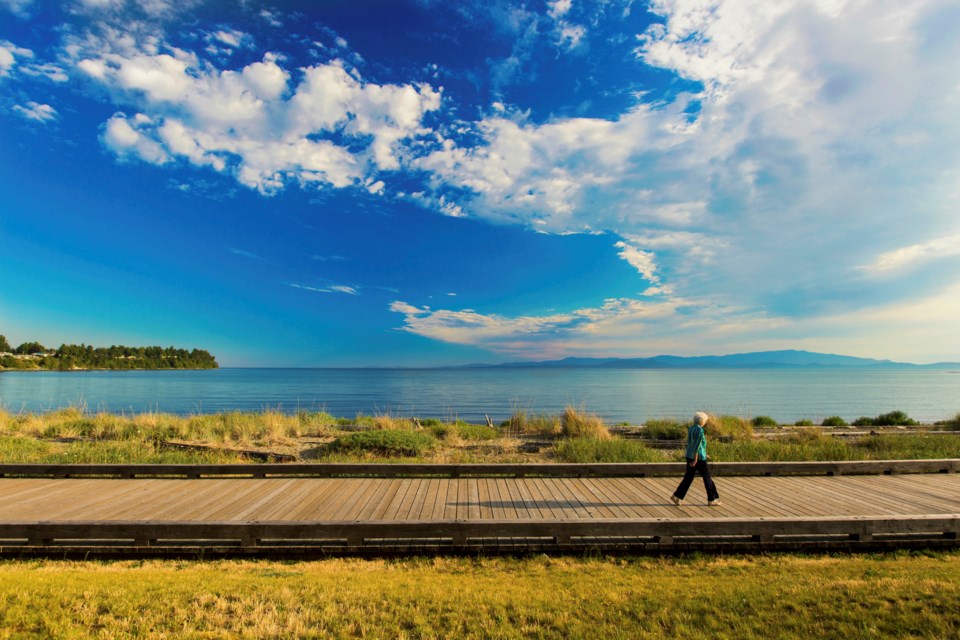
(787, 359)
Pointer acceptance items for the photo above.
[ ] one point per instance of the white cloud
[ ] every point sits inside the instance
(912, 255)
(642, 261)
(340, 288)
(570, 35)
(252, 122)
(558, 8)
(37, 112)
(9, 55)
(337, 288)
(271, 17)
(123, 136)
(231, 37)
(795, 159)
(621, 326)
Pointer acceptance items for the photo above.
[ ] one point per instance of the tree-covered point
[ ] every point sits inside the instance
(33, 355)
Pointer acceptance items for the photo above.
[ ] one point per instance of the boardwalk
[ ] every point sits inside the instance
(352, 512)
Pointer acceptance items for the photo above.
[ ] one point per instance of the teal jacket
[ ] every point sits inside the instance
(696, 443)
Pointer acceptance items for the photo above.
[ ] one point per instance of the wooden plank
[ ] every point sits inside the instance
(473, 499)
(407, 486)
(388, 498)
(374, 498)
(341, 497)
(214, 499)
(347, 504)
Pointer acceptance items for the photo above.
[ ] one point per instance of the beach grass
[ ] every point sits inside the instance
(75, 435)
(578, 423)
(901, 594)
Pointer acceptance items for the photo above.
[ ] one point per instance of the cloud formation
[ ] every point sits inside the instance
(807, 165)
(36, 112)
(267, 126)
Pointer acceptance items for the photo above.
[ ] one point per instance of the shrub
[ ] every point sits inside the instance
(442, 431)
(385, 442)
(585, 450)
(803, 423)
(579, 424)
(863, 421)
(665, 429)
(431, 422)
(893, 418)
(765, 421)
(834, 421)
(733, 426)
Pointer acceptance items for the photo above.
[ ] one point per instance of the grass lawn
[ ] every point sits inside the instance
(903, 595)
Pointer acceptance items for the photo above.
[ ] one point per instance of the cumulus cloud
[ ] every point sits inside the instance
(132, 138)
(327, 127)
(796, 147)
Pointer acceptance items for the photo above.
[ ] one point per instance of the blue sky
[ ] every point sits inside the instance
(429, 183)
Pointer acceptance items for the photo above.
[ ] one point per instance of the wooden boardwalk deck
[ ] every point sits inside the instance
(437, 513)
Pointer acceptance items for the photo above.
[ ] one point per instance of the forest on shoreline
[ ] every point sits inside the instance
(71, 357)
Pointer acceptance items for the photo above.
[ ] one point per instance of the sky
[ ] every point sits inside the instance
(430, 183)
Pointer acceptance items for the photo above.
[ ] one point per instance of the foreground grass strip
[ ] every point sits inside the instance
(888, 595)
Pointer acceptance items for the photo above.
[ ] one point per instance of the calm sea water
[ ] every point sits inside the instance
(617, 395)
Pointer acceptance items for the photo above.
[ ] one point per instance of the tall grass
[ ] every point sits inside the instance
(577, 423)
(814, 446)
(665, 429)
(266, 427)
(733, 426)
(541, 424)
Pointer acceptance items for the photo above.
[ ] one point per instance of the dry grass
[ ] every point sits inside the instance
(856, 597)
(577, 423)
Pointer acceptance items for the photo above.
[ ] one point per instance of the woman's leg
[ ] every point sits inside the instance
(708, 484)
(688, 476)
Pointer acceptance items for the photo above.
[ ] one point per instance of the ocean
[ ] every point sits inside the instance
(619, 395)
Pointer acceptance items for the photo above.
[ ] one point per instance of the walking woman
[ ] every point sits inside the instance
(697, 461)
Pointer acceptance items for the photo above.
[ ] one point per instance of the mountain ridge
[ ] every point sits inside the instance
(785, 358)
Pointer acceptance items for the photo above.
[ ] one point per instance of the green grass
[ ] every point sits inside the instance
(764, 421)
(665, 429)
(816, 446)
(385, 442)
(585, 450)
(19, 449)
(895, 595)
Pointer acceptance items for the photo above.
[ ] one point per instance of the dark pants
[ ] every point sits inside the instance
(701, 466)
